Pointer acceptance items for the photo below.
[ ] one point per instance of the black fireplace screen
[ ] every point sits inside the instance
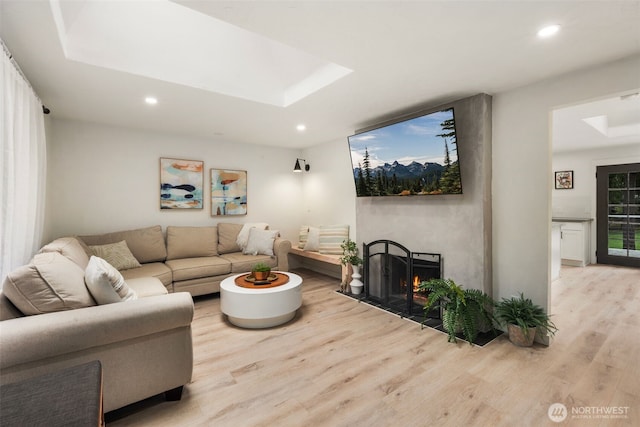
(392, 274)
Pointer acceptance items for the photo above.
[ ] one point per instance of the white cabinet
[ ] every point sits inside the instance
(575, 243)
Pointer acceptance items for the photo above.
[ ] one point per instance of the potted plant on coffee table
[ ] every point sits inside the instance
(524, 320)
(463, 310)
(261, 271)
(350, 257)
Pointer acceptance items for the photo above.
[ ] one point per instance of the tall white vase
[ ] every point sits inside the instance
(356, 284)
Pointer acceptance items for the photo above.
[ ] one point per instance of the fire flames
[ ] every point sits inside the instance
(419, 296)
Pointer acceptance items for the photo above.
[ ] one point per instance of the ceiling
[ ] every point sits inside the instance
(398, 57)
(608, 122)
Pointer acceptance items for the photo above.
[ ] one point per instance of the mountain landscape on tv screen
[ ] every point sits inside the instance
(412, 179)
(432, 136)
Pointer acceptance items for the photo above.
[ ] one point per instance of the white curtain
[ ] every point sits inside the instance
(22, 167)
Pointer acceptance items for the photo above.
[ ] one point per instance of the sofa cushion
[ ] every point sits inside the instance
(152, 269)
(191, 242)
(201, 286)
(105, 283)
(260, 242)
(241, 263)
(147, 286)
(228, 237)
(71, 248)
(7, 309)
(146, 244)
(331, 237)
(117, 255)
(193, 268)
(50, 282)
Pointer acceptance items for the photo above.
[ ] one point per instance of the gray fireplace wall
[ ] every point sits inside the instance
(456, 226)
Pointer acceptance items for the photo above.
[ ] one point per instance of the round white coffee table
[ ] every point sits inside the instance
(260, 308)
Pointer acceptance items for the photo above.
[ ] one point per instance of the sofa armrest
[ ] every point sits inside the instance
(33, 338)
(281, 249)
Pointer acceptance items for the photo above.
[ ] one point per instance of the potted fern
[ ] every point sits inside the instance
(463, 310)
(524, 320)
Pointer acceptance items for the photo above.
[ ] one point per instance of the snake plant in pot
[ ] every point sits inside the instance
(463, 310)
(524, 320)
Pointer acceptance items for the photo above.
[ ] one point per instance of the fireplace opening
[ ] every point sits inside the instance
(392, 275)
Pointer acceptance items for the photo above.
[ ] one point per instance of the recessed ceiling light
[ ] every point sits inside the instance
(151, 100)
(548, 31)
(301, 127)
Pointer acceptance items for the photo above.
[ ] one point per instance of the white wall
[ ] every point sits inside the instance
(103, 178)
(522, 173)
(581, 200)
(329, 190)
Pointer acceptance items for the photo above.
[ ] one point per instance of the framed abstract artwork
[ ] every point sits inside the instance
(564, 180)
(181, 183)
(228, 192)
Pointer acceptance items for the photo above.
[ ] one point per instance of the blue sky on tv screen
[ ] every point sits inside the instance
(405, 142)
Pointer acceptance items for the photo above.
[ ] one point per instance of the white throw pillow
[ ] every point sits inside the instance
(302, 236)
(243, 236)
(105, 283)
(313, 239)
(260, 242)
(116, 254)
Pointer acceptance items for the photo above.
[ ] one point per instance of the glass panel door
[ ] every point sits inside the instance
(618, 216)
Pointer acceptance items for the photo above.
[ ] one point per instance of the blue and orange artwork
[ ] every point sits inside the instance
(181, 183)
(228, 192)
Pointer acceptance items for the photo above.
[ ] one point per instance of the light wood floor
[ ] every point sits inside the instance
(344, 363)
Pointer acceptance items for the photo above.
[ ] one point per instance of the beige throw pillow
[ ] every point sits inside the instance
(50, 282)
(105, 283)
(260, 242)
(116, 254)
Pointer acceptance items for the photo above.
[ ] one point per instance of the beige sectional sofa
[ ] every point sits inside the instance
(50, 321)
(193, 259)
(51, 318)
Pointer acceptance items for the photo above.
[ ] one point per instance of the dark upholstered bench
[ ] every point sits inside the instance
(69, 397)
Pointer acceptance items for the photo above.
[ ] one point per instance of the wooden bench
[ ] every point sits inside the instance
(316, 259)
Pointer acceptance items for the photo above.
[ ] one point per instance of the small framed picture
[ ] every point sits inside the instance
(564, 180)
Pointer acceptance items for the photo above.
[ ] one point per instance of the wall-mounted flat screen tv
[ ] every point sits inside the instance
(418, 156)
